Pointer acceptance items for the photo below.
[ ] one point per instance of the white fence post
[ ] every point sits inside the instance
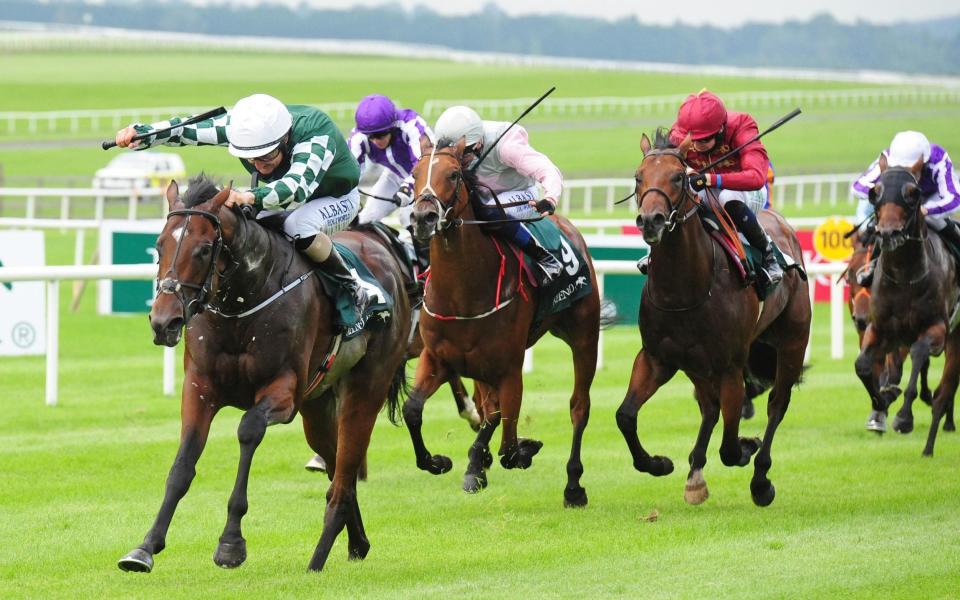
(53, 339)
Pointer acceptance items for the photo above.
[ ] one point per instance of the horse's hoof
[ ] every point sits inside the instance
(877, 421)
(473, 483)
(316, 464)
(230, 556)
(574, 497)
(949, 426)
(748, 411)
(359, 552)
(926, 396)
(763, 493)
(902, 424)
(439, 464)
(136, 561)
(658, 466)
(749, 447)
(695, 491)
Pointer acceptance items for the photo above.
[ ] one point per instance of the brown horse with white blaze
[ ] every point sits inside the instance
(260, 336)
(476, 322)
(696, 315)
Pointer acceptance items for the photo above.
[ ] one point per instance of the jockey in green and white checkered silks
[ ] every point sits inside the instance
(303, 163)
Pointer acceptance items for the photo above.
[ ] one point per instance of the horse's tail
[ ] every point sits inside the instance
(762, 369)
(399, 389)
(608, 313)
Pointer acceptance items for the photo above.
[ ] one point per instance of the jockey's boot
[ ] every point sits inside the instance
(770, 265)
(335, 266)
(643, 264)
(746, 221)
(865, 273)
(951, 234)
(550, 267)
(322, 251)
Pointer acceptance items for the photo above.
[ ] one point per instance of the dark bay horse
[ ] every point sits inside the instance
(697, 316)
(858, 304)
(477, 322)
(258, 342)
(913, 295)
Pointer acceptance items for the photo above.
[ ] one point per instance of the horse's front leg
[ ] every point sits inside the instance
(920, 361)
(196, 414)
(735, 451)
(515, 453)
(430, 375)
(647, 377)
(944, 397)
(871, 355)
(466, 406)
(891, 375)
(274, 403)
(479, 457)
(695, 491)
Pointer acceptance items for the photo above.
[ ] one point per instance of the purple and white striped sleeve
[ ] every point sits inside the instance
(414, 128)
(948, 188)
(356, 143)
(861, 187)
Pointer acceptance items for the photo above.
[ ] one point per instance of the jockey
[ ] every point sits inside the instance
(512, 171)
(740, 181)
(394, 140)
(304, 160)
(938, 185)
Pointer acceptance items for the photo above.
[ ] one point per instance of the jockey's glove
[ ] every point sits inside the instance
(546, 206)
(404, 195)
(698, 181)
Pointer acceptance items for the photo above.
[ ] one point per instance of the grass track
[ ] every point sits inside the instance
(854, 514)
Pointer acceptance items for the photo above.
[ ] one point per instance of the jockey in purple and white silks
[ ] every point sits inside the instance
(392, 138)
(938, 184)
(512, 171)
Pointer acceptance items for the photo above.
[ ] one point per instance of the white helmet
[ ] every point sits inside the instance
(459, 122)
(907, 148)
(257, 125)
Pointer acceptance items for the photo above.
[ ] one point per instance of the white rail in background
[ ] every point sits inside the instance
(52, 275)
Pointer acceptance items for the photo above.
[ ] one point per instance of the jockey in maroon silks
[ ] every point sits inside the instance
(740, 181)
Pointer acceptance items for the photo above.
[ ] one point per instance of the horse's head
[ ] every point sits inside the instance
(189, 252)
(662, 186)
(440, 188)
(896, 199)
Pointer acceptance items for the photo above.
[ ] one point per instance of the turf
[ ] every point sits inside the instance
(855, 513)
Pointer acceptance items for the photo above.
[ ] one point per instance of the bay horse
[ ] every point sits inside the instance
(913, 294)
(888, 375)
(477, 321)
(260, 336)
(698, 316)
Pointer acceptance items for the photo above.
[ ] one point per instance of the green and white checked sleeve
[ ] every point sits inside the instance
(209, 132)
(309, 162)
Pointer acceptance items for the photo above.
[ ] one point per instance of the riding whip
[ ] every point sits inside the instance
(476, 165)
(216, 112)
(782, 120)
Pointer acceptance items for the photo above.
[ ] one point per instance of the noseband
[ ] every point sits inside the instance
(171, 283)
(674, 217)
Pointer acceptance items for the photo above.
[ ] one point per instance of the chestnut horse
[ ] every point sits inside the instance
(476, 322)
(697, 316)
(913, 293)
(259, 341)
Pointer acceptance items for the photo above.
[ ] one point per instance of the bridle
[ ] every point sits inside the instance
(674, 217)
(447, 218)
(912, 222)
(171, 283)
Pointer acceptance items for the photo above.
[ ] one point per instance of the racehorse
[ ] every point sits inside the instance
(260, 336)
(477, 322)
(698, 316)
(889, 375)
(912, 296)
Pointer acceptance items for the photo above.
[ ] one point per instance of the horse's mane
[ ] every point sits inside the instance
(661, 139)
(200, 189)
